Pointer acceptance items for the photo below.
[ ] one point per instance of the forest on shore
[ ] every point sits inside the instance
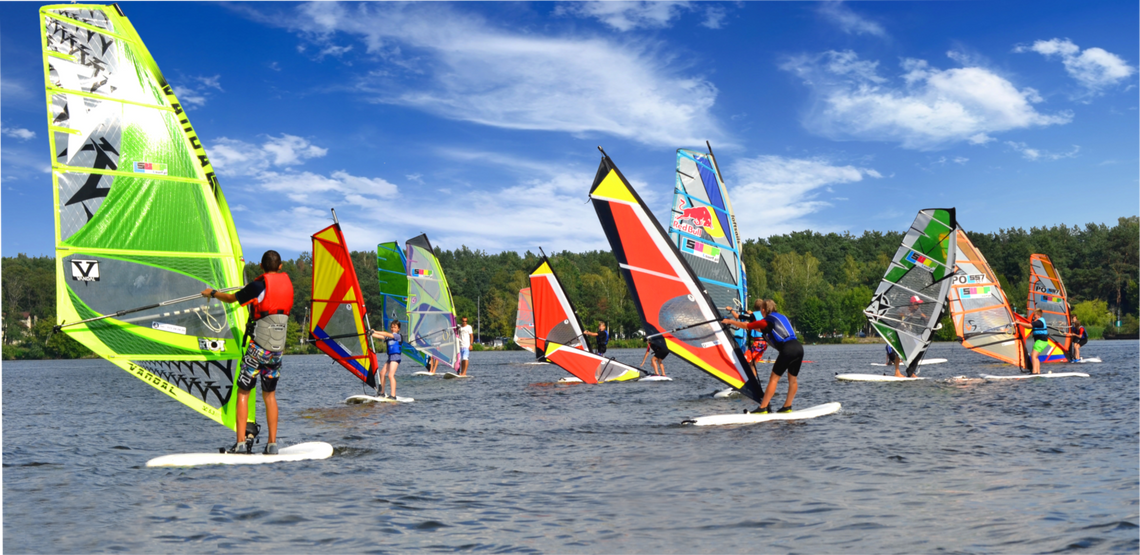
(821, 281)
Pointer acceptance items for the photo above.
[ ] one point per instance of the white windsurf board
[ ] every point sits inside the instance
(423, 373)
(1087, 360)
(655, 379)
(1041, 375)
(726, 393)
(300, 452)
(361, 399)
(923, 362)
(570, 379)
(873, 378)
(749, 418)
(453, 376)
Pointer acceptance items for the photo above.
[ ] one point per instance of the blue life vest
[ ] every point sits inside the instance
(394, 344)
(1040, 329)
(604, 337)
(890, 351)
(779, 329)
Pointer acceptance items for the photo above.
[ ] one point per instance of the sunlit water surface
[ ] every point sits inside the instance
(509, 461)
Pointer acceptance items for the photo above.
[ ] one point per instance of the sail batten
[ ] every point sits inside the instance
(672, 303)
(139, 216)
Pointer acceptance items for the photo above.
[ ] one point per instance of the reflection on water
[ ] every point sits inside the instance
(510, 460)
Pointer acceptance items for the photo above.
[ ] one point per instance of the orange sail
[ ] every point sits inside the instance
(1047, 292)
(339, 323)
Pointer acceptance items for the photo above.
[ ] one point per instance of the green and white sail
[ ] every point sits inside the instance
(392, 275)
(139, 215)
(431, 311)
(908, 304)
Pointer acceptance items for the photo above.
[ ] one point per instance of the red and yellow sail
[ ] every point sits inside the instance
(339, 322)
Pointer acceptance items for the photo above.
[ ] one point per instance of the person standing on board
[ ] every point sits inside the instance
(1039, 338)
(1079, 338)
(269, 298)
(893, 358)
(394, 339)
(754, 349)
(603, 336)
(780, 334)
(660, 351)
(432, 363)
(465, 333)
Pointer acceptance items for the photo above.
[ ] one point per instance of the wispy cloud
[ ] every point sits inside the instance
(456, 65)
(196, 91)
(18, 133)
(849, 21)
(628, 16)
(237, 157)
(1036, 154)
(930, 108)
(1094, 68)
(781, 192)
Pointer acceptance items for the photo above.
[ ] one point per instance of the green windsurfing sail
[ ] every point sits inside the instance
(139, 216)
(391, 270)
(909, 302)
(431, 311)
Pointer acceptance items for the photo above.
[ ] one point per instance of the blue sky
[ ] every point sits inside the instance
(477, 122)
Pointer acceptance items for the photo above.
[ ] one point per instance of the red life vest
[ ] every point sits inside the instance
(278, 296)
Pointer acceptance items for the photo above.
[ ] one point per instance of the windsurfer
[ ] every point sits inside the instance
(394, 340)
(1039, 337)
(893, 358)
(603, 336)
(432, 364)
(660, 351)
(778, 330)
(465, 333)
(754, 349)
(269, 297)
(1079, 338)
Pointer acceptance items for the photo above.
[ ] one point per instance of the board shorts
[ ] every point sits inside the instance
(892, 357)
(259, 362)
(1082, 341)
(660, 350)
(790, 359)
(395, 358)
(602, 348)
(1040, 345)
(753, 355)
(464, 353)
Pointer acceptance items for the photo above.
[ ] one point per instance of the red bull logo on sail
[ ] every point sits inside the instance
(692, 219)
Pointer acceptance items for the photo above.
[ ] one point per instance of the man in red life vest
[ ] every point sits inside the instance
(269, 297)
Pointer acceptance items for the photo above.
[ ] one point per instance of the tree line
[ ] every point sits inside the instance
(821, 281)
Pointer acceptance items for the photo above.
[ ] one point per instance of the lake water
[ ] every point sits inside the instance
(509, 461)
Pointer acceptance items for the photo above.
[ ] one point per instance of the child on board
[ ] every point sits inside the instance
(432, 363)
(1038, 338)
(1079, 339)
(394, 344)
(753, 349)
(893, 358)
(465, 333)
(660, 351)
(269, 298)
(779, 333)
(603, 336)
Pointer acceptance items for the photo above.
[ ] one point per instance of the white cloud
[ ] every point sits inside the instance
(196, 91)
(780, 192)
(849, 21)
(236, 157)
(458, 66)
(931, 108)
(18, 133)
(625, 16)
(1035, 154)
(1094, 68)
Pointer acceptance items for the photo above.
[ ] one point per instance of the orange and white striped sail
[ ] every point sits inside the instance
(524, 321)
(339, 322)
(1047, 292)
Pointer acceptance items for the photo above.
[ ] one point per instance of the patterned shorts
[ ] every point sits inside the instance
(259, 362)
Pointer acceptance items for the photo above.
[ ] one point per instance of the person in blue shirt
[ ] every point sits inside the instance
(780, 334)
(603, 336)
(393, 339)
(893, 358)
